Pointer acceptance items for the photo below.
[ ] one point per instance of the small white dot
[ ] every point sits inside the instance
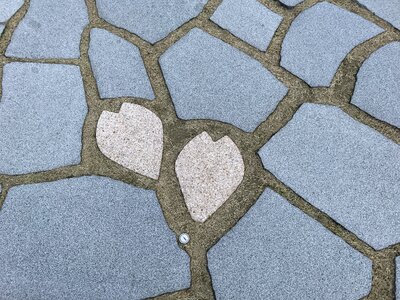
(184, 238)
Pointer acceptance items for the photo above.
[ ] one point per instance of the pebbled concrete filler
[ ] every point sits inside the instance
(210, 79)
(277, 252)
(344, 168)
(249, 20)
(291, 2)
(87, 238)
(319, 39)
(398, 277)
(377, 88)
(42, 111)
(150, 19)
(50, 30)
(117, 66)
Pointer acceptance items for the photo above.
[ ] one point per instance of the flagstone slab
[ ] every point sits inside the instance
(8, 8)
(87, 238)
(388, 10)
(117, 66)
(50, 29)
(277, 252)
(320, 38)
(249, 20)
(209, 79)
(291, 2)
(42, 111)
(343, 167)
(377, 88)
(150, 19)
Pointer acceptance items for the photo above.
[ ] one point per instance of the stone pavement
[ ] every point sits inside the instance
(193, 149)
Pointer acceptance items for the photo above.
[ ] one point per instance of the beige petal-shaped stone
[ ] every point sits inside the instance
(208, 173)
(133, 138)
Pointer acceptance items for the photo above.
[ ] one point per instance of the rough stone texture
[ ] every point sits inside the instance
(1, 29)
(345, 168)
(377, 89)
(388, 10)
(41, 117)
(277, 252)
(209, 79)
(150, 19)
(133, 138)
(8, 8)
(50, 29)
(117, 66)
(319, 40)
(291, 2)
(249, 20)
(87, 238)
(208, 172)
(398, 277)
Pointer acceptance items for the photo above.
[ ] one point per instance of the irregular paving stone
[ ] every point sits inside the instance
(150, 19)
(291, 2)
(87, 238)
(388, 10)
(343, 167)
(208, 172)
(209, 79)
(117, 66)
(277, 252)
(377, 88)
(50, 29)
(8, 8)
(1, 28)
(133, 138)
(319, 39)
(41, 117)
(249, 20)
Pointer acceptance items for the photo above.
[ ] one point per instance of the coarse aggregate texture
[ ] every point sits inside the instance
(319, 39)
(388, 10)
(209, 79)
(42, 110)
(253, 260)
(377, 91)
(87, 238)
(249, 20)
(117, 66)
(50, 29)
(398, 277)
(150, 19)
(333, 161)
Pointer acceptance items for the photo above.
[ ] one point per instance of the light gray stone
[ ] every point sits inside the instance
(208, 172)
(41, 117)
(150, 19)
(378, 81)
(50, 29)
(87, 238)
(277, 252)
(342, 167)
(319, 39)
(133, 137)
(388, 10)
(291, 2)
(249, 20)
(209, 79)
(1, 29)
(117, 66)
(8, 8)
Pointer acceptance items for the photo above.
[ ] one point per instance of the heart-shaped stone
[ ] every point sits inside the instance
(208, 173)
(133, 138)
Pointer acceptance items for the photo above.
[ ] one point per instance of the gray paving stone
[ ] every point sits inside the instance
(249, 20)
(50, 29)
(377, 89)
(319, 39)
(388, 10)
(150, 19)
(41, 117)
(210, 79)
(8, 8)
(87, 238)
(117, 66)
(291, 2)
(1, 29)
(343, 167)
(277, 252)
